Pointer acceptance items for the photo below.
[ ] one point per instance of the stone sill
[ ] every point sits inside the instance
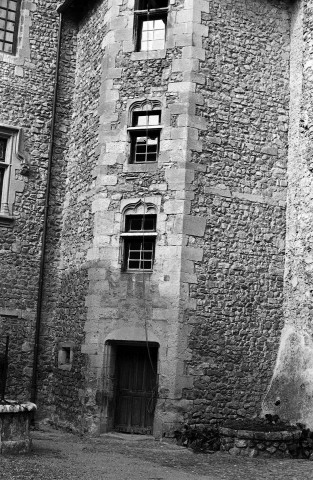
(66, 366)
(140, 167)
(148, 55)
(137, 272)
(8, 312)
(6, 220)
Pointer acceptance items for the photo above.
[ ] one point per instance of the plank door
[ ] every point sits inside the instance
(136, 389)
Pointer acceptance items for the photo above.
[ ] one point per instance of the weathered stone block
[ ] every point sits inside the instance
(194, 225)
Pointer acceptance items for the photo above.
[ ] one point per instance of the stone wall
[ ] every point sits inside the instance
(240, 189)
(290, 393)
(86, 293)
(62, 391)
(213, 302)
(124, 306)
(26, 92)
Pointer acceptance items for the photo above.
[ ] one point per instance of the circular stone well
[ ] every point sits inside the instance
(14, 426)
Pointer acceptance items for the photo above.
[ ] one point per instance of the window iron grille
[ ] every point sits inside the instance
(153, 35)
(140, 253)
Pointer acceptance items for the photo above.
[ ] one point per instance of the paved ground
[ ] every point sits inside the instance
(61, 456)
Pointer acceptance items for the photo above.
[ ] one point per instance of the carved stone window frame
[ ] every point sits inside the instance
(14, 160)
(148, 107)
(138, 209)
(8, 44)
(142, 14)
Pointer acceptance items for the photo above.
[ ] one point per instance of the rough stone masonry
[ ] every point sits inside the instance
(227, 303)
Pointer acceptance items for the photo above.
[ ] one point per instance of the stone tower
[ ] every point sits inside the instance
(162, 147)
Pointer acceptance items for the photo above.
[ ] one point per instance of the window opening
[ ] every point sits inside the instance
(9, 16)
(139, 242)
(65, 356)
(151, 4)
(145, 136)
(3, 166)
(150, 24)
(153, 35)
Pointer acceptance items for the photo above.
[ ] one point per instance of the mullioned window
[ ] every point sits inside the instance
(9, 19)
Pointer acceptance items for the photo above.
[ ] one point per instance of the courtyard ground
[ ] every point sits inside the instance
(57, 455)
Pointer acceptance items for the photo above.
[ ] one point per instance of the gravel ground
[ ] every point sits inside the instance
(57, 456)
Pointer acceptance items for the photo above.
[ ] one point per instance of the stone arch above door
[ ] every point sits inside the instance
(132, 334)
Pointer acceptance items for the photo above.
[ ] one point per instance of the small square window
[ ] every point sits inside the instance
(150, 25)
(65, 356)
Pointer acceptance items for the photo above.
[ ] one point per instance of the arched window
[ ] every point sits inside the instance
(139, 237)
(150, 24)
(145, 121)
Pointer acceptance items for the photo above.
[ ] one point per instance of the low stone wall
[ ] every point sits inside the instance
(14, 427)
(282, 444)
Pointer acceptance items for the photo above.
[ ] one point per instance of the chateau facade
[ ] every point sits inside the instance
(156, 210)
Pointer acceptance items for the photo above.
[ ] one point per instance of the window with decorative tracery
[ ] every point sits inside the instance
(139, 237)
(145, 132)
(139, 242)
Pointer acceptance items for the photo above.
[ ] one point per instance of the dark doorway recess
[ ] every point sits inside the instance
(136, 375)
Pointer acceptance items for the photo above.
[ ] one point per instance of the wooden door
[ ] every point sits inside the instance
(136, 389)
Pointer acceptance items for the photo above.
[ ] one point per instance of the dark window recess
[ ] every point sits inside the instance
(143, 223)
(150, 24)
(66, 355)
(1, 181)
(139, 249)
(139, 253)
(3, 166)
(151, 4)
(3, 145)
(145, 138)
(9, 17)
